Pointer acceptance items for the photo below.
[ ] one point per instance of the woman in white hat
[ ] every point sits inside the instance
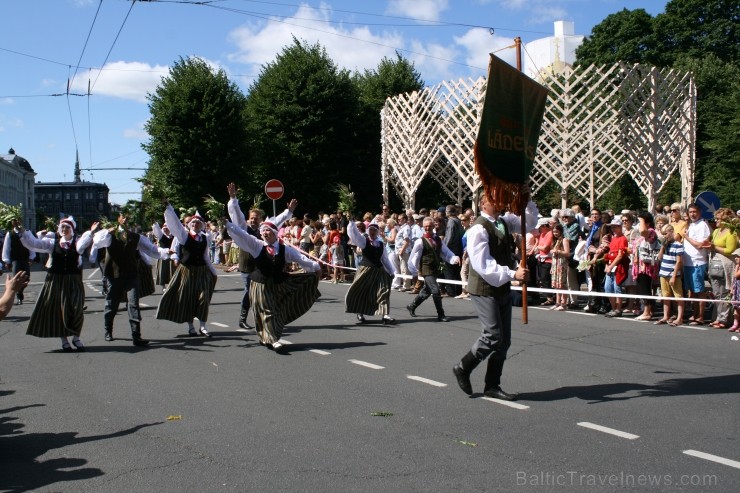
(60, 305)
(278, 297)
(189, 293)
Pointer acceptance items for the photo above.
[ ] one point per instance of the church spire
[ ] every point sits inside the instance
(77, 167)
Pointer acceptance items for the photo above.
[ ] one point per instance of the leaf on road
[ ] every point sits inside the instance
(174, 417)
(469, 444)
(383, 414)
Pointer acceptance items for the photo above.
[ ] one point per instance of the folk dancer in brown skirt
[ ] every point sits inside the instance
(123, 270)
(370, 291)
(278, 297)
(189, 293)
(426, 258)
(59, 308)
(165, 267)
(251, 226)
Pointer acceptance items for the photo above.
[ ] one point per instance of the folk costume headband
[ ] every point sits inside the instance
(268, 225)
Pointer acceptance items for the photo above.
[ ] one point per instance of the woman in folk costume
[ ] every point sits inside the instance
(189, 293)
(278, 297)
(370, 292)
(59, 308)
(165, 267)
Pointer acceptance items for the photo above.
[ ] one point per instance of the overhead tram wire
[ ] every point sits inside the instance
(84, 47)
(133, 2)
(419, 22)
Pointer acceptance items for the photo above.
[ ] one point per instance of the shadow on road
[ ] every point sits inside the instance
(722, 384)
(20, 466)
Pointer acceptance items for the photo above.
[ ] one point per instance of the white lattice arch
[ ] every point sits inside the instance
(600, 122)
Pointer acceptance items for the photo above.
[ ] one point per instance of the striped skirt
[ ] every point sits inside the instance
(146, 280)
(164, 271)
(370, 292)
(277, 304)
(59, 308)
(188, 295)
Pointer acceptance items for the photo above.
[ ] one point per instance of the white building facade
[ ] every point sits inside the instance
(17, 186)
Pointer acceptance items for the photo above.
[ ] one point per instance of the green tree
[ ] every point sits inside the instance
(697, 28)
(390, 78)
(626, 35)
(198, 137)
(300, 115)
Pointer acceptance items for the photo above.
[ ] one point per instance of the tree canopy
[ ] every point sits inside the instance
(198, 136)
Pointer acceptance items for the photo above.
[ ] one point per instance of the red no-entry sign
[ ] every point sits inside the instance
(274, 189)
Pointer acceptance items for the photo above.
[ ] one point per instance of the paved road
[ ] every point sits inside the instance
(605, 404)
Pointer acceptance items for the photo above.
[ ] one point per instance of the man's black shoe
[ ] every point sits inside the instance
(138, 341)
(463, 379)
(497, 393)
(388, 320)
(412, 309)
(442, 318)
(108, 335)
(360, 319)
(244, 325)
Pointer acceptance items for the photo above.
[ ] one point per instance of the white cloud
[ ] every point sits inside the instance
(7, 101)
(136, 133)
(353, 48)
(428, 10)
(478, 43)
(125, 80)
(6, 123)
(539, 11)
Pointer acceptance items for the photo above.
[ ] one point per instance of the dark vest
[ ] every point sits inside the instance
(430, 256)
(18, 253)
(192, 251)
(371, 255)
(246, 261)
(501, 248)
(165, 241)
(65, 261)
(269, 267)
(121, 260)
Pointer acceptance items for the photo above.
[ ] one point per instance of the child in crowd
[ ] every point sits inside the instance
(671, 266)
(336, 253)
(736, 292)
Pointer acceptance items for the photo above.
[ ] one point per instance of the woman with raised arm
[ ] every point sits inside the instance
(59, 308)
(278, 297)
(370, 292)
(189, 293)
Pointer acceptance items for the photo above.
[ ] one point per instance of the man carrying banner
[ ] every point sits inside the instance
(504, 155)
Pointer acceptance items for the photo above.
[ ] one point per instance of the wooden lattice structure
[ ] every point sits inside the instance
(600, 123)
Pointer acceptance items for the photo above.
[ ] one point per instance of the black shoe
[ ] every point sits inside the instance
(66, 347)
(78, 344)
(602, 311)
(360, 319)
(108, 335)
(388, 320)
(497, 393)
(463, 379)
(244, 325)
(204, 332)
(192, 333)
(412, 309)
(138, 341)
(19, 302)
(442, 318)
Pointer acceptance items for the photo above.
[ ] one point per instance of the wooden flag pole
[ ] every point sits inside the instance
(523, 212)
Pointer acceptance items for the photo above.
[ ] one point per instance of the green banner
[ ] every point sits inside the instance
(510, 124)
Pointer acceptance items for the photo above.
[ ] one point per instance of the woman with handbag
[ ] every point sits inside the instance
(720, 270)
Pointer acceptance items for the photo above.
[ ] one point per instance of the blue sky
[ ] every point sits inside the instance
(46, 43)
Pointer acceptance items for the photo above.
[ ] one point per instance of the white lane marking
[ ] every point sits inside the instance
(144, 305)
(714, 458)
(93, 273)
(693, 327)
(505, 403)
(366, 364)
(426, 380)
(611, 431)
(218, 324)
(319, 351)
(243, 330)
